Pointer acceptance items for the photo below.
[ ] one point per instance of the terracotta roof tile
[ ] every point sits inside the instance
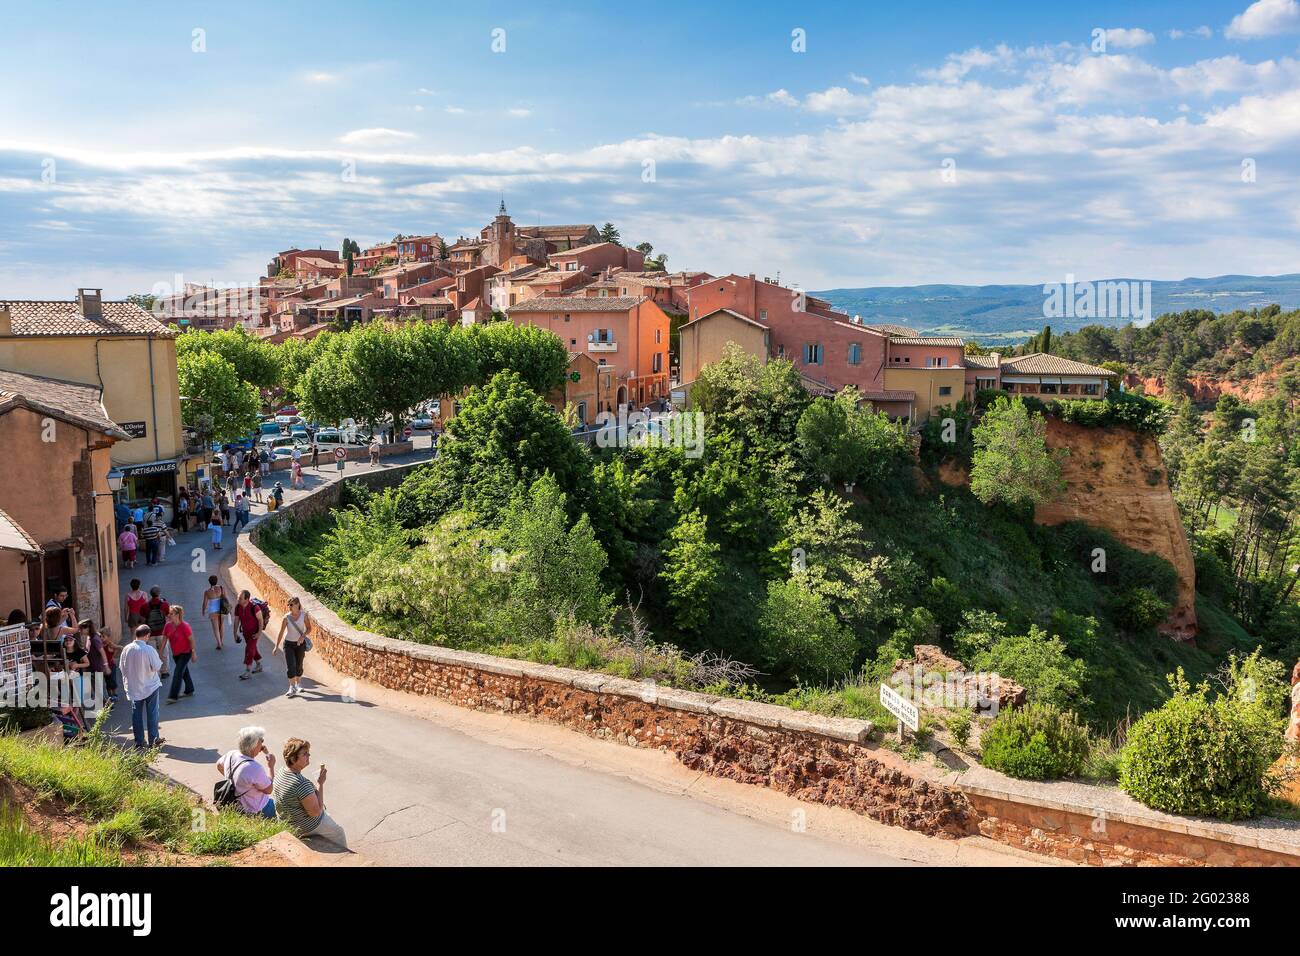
(1040, 363)
(73, 402)
(569, 303)
(57, 317)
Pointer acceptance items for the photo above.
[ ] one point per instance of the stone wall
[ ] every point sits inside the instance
(1095, 840)
(823, 760)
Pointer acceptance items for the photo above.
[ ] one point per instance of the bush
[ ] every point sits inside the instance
(1201, 757)
(1037, 742)
(1139, 610)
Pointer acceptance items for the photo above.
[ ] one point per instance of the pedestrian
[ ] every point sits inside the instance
(151, 534)
(297, 474)
(122, 514)
(140, 666)
(315, 455)
(216, 606)
(251, 617)
(231, 477)
(299, 802)
(180, 638)
(76, 667)
(133, 606)
(278, 494)
(257, 486)
(164, 539)
(59, 599)
(264, 462)
(155, 618)
(252, 783)
(214, 525)
(183, 511)
(111, 652)
(248, 482)
(293, 636)
(241, 514)
(374, 450)
(96, 653)
(206, 505)
(128, 543)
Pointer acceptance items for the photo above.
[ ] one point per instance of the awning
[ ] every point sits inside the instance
(14, 538)
(152, 468)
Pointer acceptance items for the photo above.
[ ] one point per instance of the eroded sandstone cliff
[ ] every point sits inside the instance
(1117, 481)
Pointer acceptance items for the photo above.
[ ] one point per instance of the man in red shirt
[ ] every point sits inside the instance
(181, 640)
(251, 616)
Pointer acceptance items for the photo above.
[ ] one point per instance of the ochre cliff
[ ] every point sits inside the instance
(1206, 390)
(1117, 481)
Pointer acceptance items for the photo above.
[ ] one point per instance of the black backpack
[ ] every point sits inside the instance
(156, 617)
(223, 791)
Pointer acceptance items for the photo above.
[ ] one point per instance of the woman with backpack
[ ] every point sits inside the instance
(133, 606)
(155, 615)
(244, 782)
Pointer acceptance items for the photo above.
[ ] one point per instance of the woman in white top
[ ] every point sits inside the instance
(293, 635)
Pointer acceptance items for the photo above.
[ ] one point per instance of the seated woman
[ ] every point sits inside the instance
(252, 781)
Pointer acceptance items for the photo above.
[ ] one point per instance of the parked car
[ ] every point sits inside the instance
(422, 424)
(274, 444)
(268, 428)
(300, 431)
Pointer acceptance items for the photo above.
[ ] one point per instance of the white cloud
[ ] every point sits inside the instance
(859, 79)
(376, 136)
(454, 109)
(1264, 18)
(1126, 38)
(958, 65)
(320, 76)
(519, 112)
(1203, 32)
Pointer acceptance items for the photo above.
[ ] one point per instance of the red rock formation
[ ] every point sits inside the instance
(1116, 481)
(1205, 390)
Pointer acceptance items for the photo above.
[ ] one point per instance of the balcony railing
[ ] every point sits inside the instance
(602, 346)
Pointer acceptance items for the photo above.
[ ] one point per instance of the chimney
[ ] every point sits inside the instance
(6, 323)
(91, 303)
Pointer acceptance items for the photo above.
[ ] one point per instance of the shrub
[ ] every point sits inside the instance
(959, 725)
(1038, 663)
(801, 636)
(1202, 757)
(1139, 609)
(1037, 742)
(19, 719)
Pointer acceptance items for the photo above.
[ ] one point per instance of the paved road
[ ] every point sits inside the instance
(416, 781)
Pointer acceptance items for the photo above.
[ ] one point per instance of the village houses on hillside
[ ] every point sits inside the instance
(637, 335)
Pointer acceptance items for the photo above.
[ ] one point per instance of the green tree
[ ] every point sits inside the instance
(845, 440)
(253, 360)
(553, 566)
(801, 637)
(1013, 463)
(645, 249)
(608, 233)
(218, 399)
(537, 355)
(504, 436)
(692, 570)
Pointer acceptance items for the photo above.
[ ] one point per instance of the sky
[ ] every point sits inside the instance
(835, 145)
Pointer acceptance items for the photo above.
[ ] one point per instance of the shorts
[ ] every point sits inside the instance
(129, 555)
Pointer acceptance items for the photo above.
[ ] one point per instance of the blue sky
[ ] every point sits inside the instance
(907, 143)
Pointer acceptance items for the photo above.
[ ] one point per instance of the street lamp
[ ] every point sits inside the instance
(116, 476)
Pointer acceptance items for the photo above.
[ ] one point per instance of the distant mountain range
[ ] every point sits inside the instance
(1005, 314)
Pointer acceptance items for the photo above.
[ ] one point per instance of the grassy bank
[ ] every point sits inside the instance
(112, 791)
